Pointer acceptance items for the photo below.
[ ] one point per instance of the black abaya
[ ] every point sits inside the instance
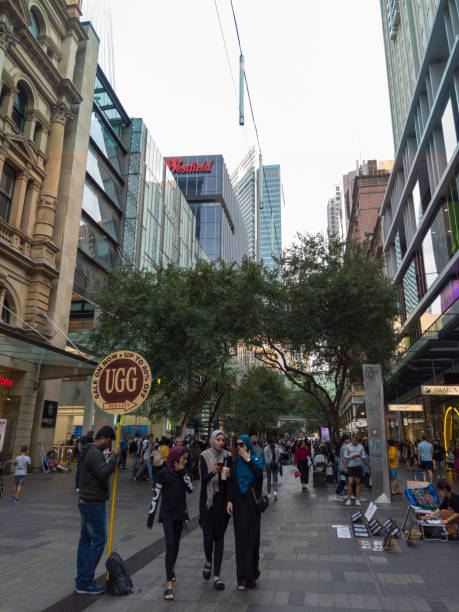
(213, 520)
(246, 519)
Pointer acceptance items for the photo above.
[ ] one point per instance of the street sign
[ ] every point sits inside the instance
(440, 389)
(406, 407)
(121, 382)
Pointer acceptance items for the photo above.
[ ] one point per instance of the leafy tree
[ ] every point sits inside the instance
(258, 401)
(329, 311)
(185, 322)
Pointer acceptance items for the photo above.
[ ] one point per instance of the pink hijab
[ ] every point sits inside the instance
(172, 458)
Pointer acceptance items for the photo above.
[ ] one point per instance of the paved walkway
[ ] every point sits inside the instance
(304, 566)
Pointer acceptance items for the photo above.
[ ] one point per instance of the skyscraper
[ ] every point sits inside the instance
(420, 211)
(407, 25)
(245, 188)
(335, 216)
(269, 217)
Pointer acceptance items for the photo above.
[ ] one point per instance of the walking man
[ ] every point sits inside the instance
(353, 462)
(425, 452)
(94, 491)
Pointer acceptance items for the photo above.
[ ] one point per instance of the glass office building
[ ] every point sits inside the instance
(219, 225)
(420, 212)
(269, 217)
(244, 180)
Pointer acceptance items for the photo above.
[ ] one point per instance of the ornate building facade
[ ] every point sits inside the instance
(48, 62)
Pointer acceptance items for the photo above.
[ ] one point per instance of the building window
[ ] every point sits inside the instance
(20, 108)
(6, 191)
(449, 131)
(35, 27)
(410, 289)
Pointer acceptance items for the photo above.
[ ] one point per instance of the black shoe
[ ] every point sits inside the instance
(251, 585)
(219, 585)
(206, 572)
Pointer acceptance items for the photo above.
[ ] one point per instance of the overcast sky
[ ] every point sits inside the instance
(317, 78)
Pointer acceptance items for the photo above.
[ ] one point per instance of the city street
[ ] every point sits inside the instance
(304, 566)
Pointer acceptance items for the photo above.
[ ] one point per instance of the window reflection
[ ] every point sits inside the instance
(101, 211)
(106, 143)
(410, 289)
(95, 244)
(102, 176)
(449, 130)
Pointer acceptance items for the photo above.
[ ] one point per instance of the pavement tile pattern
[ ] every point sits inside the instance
(304, 566)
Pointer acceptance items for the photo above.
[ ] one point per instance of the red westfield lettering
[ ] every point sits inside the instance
(175, 165)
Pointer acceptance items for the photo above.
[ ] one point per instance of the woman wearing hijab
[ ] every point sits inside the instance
(172, 484)
(243, 492)
(213, 518)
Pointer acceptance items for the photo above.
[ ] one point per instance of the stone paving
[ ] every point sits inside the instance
(304, 566)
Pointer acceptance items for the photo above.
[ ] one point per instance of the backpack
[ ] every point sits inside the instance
(119, 581)
(133, 446)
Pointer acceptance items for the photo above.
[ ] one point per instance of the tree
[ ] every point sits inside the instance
(329, 310)
(183, 321)
(258, 401)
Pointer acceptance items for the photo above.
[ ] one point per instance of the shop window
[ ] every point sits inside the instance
(449, 131)
(6, 191)
(35, 27)
(20, 108)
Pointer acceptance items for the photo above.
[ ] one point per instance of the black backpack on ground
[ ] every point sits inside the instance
(119, 581)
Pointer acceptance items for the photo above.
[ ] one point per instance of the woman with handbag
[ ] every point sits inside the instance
(213, 518)
(245, 504)
(301, 460)
(272, 464)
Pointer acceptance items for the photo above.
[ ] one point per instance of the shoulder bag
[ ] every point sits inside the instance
(261, 503)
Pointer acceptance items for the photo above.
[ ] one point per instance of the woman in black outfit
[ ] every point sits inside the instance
(213, 518)
(244, 489)
(173, 483)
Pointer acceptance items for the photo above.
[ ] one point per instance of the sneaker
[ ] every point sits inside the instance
(13, 497)
(77, 490)
(352, 496)
(348, 502)
(338, 498)
(357, 502)
(91, 590)
(275, 494)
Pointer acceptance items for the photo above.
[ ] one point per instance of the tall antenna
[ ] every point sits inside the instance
(100, 14)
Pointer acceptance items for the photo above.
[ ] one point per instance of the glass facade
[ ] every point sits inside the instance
(269, 217)
(244, 183)
(205, 182)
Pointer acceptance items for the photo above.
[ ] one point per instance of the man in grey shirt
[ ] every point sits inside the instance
(353, 461)
(341, 470)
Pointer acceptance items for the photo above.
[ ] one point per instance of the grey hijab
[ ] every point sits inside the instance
(212, 456)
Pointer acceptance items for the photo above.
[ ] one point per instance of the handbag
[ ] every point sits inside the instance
(261, 503)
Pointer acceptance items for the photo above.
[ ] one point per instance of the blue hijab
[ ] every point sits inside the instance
(244, 473)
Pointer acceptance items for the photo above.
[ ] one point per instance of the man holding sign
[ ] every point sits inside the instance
(95, 473)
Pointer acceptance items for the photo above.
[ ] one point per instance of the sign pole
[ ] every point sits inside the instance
(115, 481)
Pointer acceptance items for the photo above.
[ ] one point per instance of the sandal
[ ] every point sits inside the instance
(206, 572)
(219, 585)
(167, 595)
(241, 586)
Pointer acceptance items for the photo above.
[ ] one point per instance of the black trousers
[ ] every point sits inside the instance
(172, 533)
(303, 468)
(214, 545)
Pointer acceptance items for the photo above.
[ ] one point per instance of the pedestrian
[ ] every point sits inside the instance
(394, 465)
(256, 447)
(21, 466)
(451, 454)
(342, 478)
(439, 458)
(271, 457)
(80, 445)
(145, 459)
(195, 454)
(164, 448)
(95, 473)
(90, 437)
(134, 450)
(243, 492)
(448, 510)
(172, 485)
(215, 464)
(124, 445)
(425, 453)
(353, 462)
(301, 460)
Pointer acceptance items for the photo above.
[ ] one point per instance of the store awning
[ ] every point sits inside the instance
(55, 363)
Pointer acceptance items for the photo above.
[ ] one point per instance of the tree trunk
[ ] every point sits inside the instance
(212, 415)
(192, 406)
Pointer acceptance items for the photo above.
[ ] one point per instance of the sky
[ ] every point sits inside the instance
(317, 78)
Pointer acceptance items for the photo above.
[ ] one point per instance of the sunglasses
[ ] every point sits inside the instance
(241, 443)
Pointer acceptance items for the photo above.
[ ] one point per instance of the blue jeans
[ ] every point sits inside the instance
(146, 464)
(92, 542)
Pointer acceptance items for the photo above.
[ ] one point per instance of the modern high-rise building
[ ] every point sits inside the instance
(244, 180)
(420, 211)
(407, 25)
(206, 184)
(269, 217)
(335, 216)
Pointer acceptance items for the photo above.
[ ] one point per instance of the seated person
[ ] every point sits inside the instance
(320, 462)
(50, 463)
(448, 510)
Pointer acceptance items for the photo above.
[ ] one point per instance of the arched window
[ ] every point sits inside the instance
(6, 314)
(20, 108)
(35, 27)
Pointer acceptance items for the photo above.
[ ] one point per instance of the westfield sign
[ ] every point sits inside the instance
(175, 165)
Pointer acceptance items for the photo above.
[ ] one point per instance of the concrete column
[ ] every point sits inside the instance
(7, 38)
(30, 208)
(17, 205)
(374, 401)
(47, 206)
(29, 126)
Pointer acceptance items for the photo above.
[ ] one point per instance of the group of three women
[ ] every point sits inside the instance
(230, 486)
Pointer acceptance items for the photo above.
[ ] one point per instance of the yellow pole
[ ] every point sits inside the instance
(115, 481)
